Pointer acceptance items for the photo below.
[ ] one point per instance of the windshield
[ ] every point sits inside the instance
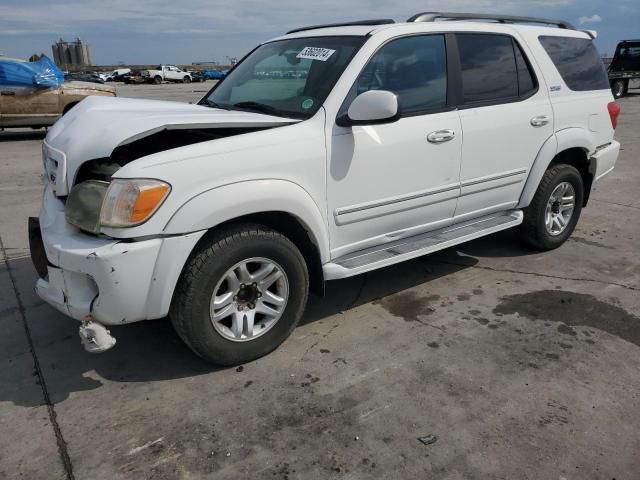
(289, 78)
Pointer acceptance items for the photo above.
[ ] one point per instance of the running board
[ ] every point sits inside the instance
(418, 245)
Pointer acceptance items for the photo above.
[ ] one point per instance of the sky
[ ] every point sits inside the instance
(182, 32)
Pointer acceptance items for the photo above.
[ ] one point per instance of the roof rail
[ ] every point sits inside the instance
(382, 21)
(433, 16)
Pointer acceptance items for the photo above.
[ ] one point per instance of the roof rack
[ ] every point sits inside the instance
(433, 16)
(382, 21)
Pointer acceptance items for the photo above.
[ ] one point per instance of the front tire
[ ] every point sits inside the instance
(186, 79)
(240, 295)
(157, 80)
(555, 209)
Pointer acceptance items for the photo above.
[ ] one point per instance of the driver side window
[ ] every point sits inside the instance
(414, 68)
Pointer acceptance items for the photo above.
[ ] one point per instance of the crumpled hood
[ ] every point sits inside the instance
(97, 125)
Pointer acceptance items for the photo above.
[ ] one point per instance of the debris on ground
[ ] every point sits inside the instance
(428, 439)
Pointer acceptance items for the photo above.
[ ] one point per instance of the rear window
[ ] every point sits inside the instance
(578, 62)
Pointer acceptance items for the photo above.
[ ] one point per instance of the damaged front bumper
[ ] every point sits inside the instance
(103, 279)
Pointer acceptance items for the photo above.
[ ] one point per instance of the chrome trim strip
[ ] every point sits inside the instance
(475, 181)
(491, 187)
(426, 193)
(393, 200)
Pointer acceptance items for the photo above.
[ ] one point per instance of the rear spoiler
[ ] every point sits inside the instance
(592, 33)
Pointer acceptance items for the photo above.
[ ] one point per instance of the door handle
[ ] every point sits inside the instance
(539, 121)
(441, 136)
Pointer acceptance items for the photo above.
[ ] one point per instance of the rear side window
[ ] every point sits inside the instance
(526, 81)
(494, 69)
(578, 62)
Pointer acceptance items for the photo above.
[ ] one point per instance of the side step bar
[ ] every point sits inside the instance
(411, 247)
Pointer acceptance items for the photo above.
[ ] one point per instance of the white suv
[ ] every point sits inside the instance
(325, 153)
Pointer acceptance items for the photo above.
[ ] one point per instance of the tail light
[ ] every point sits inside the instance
(614, 112)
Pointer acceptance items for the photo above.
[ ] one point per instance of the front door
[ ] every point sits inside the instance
(389, 181)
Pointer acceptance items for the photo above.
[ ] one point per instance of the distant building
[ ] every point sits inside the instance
(71, 54)
(212, 63)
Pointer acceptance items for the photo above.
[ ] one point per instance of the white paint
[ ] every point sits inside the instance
(351, 188)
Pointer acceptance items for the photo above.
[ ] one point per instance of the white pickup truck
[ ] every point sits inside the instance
(223, 215)
(167, 73)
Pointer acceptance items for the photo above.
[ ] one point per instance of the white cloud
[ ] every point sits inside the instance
(153, 16)
(595, 18)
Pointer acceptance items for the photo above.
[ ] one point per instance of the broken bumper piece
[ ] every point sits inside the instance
(94, 337)
(109, 280)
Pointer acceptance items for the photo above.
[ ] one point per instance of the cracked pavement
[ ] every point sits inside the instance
(520, 364)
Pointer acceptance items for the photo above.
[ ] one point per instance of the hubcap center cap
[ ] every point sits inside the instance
(247, 295)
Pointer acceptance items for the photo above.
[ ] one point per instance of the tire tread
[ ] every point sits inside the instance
(218, 241)
(529, 230)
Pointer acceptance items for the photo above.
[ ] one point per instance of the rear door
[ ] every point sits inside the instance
(506, 118)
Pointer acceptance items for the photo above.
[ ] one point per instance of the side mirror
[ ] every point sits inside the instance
(370, 108)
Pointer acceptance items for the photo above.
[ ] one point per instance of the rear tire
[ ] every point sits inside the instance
(619, 88)
(205, 294)
(555, 209)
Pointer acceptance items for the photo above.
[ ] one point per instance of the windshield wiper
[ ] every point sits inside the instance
(260, 107)
(212, 104)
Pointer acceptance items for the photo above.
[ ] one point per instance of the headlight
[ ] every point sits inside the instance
(83, 205)
(121, 203)
(132, 202)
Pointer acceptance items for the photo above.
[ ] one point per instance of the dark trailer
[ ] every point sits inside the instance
(624, 71)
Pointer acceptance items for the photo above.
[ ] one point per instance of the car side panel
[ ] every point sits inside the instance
(26, 107)
(245, 198)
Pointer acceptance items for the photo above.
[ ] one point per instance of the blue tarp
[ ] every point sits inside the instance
(42, 73)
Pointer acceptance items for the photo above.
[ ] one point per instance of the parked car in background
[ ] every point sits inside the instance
(134, 77)
(197, 76)
(116, 75)
(214, 74)
(41, 107)
(624, 70)
(35, 94)
(166, 73)
(83, 77)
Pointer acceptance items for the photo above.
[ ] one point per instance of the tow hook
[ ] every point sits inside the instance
(94, 336)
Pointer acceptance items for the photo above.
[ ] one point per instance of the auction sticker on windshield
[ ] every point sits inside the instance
(316, 53)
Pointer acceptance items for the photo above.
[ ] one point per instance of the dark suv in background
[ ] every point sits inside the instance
(624, 71)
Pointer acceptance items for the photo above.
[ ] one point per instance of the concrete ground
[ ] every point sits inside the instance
(512, 364)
